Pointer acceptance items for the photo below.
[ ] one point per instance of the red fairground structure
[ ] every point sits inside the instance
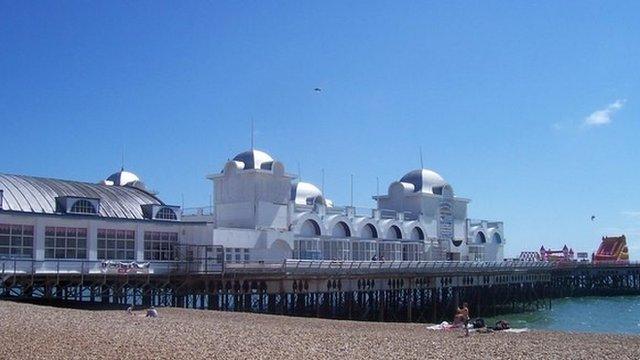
(613, 248)
(566, 254)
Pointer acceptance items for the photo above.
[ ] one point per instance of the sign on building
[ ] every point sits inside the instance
(124, 268)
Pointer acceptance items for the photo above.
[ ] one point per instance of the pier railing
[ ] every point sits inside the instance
(10, 267)
(300, 267)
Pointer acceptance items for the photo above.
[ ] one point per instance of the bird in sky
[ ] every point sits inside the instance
(593, 217)
(317, 89)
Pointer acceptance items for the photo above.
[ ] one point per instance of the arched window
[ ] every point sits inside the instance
(166, 214)
(310, 228)
(417, 233)
(394, 233)
(497, 238)
(341, 229)
(480, 238)
(369, 232)
(83, 207)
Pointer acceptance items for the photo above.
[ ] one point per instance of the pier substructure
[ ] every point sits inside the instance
(370, 291)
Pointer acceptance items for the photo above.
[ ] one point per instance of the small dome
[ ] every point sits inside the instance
(254, 159)
(425, 181)
(303, 193)
(124, 178)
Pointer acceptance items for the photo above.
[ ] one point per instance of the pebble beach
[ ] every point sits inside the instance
(41, 332)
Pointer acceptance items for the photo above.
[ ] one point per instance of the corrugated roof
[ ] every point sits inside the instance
(38, 195)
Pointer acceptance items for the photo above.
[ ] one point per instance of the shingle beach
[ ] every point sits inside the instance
(39, 332)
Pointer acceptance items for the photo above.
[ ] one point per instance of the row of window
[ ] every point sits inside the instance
(358, 250)
(16, 241)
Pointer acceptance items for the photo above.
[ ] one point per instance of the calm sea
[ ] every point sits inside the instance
(589, 314)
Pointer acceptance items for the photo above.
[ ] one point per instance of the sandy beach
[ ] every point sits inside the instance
(40, 332)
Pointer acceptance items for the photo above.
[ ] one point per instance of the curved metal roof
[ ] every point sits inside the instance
(38, 195)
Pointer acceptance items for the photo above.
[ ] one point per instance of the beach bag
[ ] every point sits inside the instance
(478, 323)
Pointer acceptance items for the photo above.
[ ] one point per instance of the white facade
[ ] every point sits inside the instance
(260, 207)
(260, 213)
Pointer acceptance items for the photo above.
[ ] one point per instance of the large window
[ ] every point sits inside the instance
(159, 245)
(306, 249)
(16, 241)
(411, 251)
(335, 249)
(390, 250)
(116, 244)
(363, 250)
(65, 243)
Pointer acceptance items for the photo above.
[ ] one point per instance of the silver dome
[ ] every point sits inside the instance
(254, 159)
(303, 193)
(425, 181)
(124, 178)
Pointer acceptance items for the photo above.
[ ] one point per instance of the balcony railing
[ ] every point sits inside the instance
(197, 211)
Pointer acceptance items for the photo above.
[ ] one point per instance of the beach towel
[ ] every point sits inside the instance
(517, 331)
(442, 326)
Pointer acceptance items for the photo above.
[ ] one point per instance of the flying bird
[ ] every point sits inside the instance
(317, 89)
(593, 217)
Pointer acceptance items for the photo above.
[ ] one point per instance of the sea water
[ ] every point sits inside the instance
(619, 314)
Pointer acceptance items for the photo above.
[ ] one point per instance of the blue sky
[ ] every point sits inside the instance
(528, 108)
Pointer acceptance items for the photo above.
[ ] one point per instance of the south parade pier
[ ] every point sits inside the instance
(400, 291)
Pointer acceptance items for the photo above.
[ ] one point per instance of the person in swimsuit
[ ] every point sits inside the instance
(464, 313)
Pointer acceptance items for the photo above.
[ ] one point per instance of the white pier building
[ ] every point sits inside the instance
(260, 213)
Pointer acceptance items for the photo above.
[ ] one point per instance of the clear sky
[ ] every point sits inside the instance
(528, 108)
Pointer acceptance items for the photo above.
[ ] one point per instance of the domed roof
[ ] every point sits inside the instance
(425, 180)
(124, 178)
(303, 193)
(254, 159)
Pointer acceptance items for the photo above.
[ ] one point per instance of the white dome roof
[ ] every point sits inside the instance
(424, 180)
(254, 159)
(124, 178)
(303, 193)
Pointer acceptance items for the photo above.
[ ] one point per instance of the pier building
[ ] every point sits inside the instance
(260, 213)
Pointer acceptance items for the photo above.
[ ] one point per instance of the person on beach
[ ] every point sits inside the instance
(152, 312)
(130, 310)
(374, 258)
(464, 315)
